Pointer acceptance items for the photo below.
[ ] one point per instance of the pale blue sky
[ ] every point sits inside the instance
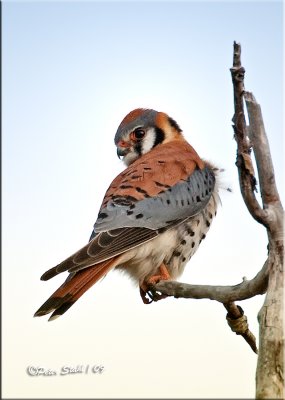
(71, 71)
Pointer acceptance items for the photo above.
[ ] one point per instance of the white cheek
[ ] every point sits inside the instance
(146, 145)
(148, 141)
(130, 157)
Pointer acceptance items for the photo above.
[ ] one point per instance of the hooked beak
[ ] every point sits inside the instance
(122, 148)
(122, 152)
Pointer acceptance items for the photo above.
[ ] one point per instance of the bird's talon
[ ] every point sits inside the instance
(144, 297)
(154, 295)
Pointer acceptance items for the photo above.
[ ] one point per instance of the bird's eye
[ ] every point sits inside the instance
(137, 134)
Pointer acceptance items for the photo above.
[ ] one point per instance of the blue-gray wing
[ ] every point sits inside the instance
(125, 223)
(185, 199)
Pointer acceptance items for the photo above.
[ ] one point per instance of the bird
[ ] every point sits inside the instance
(153, 217)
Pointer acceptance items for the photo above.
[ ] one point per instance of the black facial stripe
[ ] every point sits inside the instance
(159, 136)
(138, 148)
(174, 124)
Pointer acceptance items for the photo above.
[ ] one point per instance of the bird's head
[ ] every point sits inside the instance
(143, 129)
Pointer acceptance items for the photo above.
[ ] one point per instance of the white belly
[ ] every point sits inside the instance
(174, 247)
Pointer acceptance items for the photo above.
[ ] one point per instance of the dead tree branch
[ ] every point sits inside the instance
(223, 294)
(270, 366)
(260, 145)
(269, 374)
(238, 324)
(247, 178)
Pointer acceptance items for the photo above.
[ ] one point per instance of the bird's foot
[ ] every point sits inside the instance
(147, 288)
(162, 276)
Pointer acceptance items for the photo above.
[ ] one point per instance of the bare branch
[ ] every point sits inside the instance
(273, 209)
(223, 294)
(270, 365)
(261, 150)
(269, 374)
(238, 324)
(243, 162)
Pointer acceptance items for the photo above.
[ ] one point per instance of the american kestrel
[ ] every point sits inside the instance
(154, 214)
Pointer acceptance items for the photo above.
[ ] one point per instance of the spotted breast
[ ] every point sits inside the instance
(153, 216)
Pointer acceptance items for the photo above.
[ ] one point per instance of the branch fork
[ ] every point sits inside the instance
(269, 375)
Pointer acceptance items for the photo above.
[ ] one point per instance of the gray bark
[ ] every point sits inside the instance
(270, 365)
(270, 279)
